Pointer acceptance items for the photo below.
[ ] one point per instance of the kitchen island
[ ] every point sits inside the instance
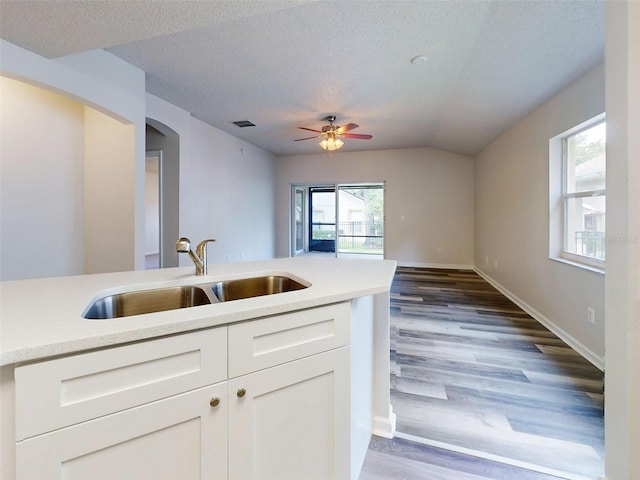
(262, 366)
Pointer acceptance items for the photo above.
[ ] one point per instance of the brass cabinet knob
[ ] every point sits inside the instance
(215, 401)
(241, 392)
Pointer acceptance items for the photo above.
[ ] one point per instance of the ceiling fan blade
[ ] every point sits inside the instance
(310, 129)
(347, 127)
(357, 135)
(306, 138)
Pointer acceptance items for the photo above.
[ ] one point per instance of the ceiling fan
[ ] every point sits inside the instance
(331, 134)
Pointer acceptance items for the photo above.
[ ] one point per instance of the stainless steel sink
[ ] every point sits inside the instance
(147, 301)
(172, 298)
(254, 287)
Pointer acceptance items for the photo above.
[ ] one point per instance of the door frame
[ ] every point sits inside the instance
(158, 154)
(295, 248)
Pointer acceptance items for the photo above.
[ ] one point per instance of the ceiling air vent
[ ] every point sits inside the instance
(244, 123)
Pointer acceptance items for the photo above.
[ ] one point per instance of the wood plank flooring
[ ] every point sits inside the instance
(473, 372)
(401, 459)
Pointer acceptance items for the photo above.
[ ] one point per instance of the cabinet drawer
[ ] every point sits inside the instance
(62, 392)
(271, 341)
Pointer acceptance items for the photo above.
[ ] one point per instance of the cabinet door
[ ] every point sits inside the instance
(179, 437)
(293, 420)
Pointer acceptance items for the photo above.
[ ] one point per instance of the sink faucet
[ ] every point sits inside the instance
(183, 245)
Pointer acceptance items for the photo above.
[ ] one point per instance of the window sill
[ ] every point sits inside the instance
(589, 268)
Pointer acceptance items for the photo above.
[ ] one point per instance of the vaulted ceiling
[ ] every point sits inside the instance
(284, 64)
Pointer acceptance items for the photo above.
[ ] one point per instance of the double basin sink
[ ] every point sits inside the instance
(184, 296)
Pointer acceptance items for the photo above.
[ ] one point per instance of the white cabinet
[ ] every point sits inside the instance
(181, 437)
(132, 412)
(69, 390)
(282, 338)
(281, 386)
(290, 376)
(291, 422)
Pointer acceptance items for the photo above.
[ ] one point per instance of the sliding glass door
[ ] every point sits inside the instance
(343, 219)
(360, 226)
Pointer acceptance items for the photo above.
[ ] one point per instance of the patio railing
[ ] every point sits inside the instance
(590, 244)
(353, 237)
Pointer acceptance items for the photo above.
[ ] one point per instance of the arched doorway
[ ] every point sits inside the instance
(164, 143)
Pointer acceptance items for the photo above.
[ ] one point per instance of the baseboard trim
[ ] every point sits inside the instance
(593, 358)
(448, 266)
(489, 456)
(385, 426)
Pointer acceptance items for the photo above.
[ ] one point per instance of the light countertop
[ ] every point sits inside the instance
(43, 317)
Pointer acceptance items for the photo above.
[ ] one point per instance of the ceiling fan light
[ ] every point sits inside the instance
(331, 144)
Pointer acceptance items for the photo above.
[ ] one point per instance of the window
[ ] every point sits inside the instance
(584, 194)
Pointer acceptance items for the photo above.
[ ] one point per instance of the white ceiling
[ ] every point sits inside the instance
(283, 64)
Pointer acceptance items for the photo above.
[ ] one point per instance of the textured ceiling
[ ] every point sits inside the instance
(283, 64)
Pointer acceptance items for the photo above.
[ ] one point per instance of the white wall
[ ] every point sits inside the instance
(622, 407)
(121, 87)
(512, 219)
(226, 188)
(109, 198)
(41, 183)
(428, 199)
(116, 88)
(227, 193)
(226, 185)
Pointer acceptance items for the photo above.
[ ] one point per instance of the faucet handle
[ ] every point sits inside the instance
(207, 241)
(203, 245)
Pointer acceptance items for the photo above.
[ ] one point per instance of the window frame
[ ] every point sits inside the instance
(565, 196)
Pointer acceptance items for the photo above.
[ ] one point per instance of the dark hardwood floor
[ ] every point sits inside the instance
(473, 373)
